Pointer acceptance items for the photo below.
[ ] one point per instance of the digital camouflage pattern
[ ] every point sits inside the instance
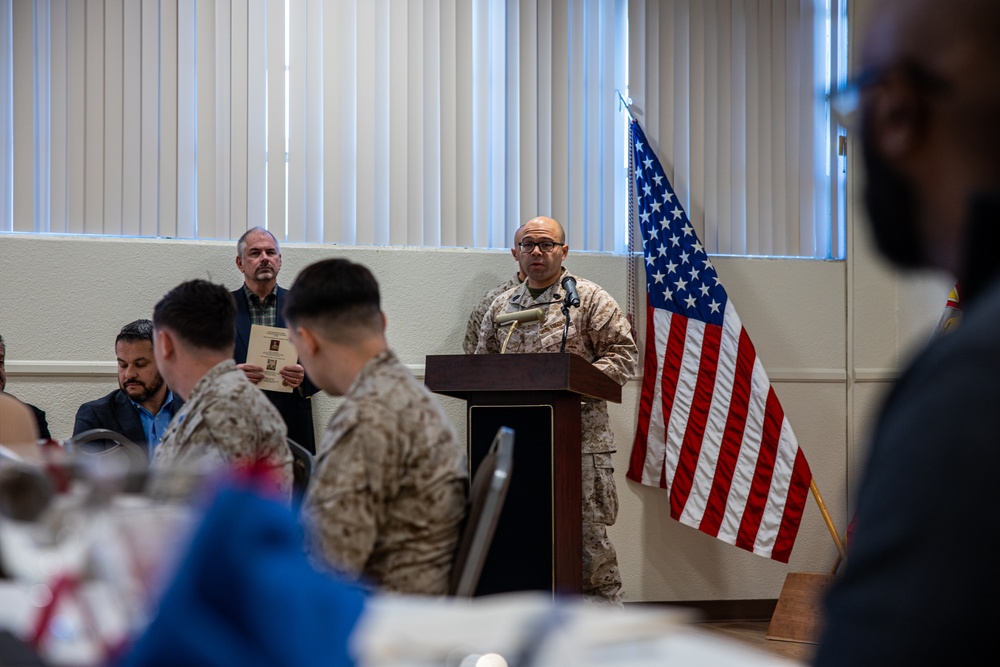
(388, 497)
(227, 418)
(599, 333)
(476, 318)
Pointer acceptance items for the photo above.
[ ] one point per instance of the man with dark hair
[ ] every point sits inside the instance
(142, 406)
(39, 415)
(225, 418)
(259, 301)
(387, 499)
(921, 570)
(598, 332)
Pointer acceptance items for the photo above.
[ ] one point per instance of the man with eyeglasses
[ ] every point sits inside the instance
(920, 582)
(598, 332)
(471, 341)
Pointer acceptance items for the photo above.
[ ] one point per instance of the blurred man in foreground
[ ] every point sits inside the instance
(920, 573)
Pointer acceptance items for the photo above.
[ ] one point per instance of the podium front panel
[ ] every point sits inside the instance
(538, 542)
(522, 555)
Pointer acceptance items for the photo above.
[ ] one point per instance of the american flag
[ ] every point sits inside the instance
(711, 430)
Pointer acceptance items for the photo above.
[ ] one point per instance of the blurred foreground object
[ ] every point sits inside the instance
(82, 559)
(246, 595)
(17, 424)
(88, 542)
(530, 629)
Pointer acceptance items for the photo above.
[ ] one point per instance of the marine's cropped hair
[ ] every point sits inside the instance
(337, 296)
(201, 313)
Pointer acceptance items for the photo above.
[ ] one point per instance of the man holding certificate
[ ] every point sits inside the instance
(262, 349)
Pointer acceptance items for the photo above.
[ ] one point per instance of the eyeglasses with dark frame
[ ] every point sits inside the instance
(845, 102)
(545, 246)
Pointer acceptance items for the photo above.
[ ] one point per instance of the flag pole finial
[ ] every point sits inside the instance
(624, 103)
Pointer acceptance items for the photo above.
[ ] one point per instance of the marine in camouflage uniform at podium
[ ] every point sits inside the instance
(598, 332)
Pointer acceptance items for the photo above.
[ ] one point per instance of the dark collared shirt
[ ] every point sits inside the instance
(263, 313)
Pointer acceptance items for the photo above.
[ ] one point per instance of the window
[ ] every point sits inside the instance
(427, 123)
(732, 96)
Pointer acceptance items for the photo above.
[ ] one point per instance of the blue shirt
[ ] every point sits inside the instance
(154, 425)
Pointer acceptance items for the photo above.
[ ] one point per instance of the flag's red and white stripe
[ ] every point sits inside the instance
(713, 434)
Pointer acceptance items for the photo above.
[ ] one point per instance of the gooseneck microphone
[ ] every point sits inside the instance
(522, 316)
(515, 318)
(572, 296)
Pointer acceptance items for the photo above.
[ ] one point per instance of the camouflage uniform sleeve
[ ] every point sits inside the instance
(472, 333)
(488, 331)
(471, 341)
(341, 506)
(616, 354)
(240, 434)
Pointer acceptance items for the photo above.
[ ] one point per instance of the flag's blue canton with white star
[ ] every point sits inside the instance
(679, 275)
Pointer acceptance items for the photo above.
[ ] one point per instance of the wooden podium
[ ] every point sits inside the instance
(538, 544)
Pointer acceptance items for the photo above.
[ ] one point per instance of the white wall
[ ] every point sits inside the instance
(65, 299)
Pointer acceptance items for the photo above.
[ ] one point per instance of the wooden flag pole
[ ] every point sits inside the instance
(836, 563)
(798, 613)
(829, 522)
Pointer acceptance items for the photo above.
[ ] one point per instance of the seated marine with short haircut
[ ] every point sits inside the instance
(225, 418)
(387, 499)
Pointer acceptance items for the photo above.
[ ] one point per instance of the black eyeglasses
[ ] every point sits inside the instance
(544, 246)
(845, 102)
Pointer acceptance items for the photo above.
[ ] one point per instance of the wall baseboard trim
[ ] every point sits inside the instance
(722, 610)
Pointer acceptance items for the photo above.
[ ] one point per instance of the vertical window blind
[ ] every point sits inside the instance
(420, 122)
(731, 94)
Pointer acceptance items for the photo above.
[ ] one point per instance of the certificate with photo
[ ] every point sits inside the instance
(270, 349)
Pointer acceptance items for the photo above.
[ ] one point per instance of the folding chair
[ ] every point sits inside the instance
(486, 498)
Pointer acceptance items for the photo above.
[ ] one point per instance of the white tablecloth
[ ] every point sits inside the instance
(398, 631)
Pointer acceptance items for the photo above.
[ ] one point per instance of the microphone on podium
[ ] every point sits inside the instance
(572, 296)
(515, 318)
(521, 316)
(572, 299)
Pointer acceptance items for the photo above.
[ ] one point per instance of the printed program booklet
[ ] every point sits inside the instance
(270, 349)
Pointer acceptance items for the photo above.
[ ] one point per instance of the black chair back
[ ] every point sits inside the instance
(486, 498)
(111, 449)
(302, 469)
(106, 443)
